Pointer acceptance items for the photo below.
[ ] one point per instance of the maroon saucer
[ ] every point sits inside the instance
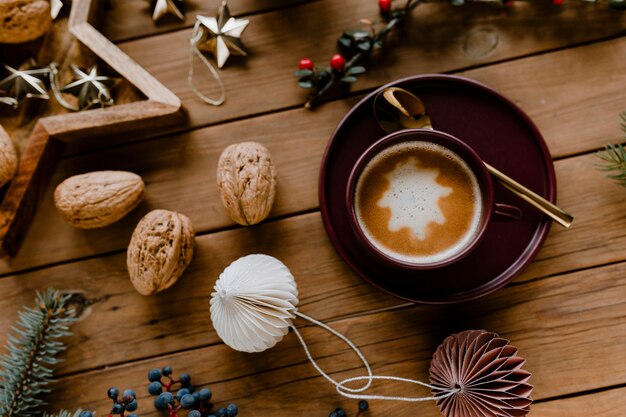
(501, 134)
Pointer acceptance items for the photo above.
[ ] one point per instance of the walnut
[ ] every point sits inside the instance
(23, 20)
(8, 158)
(99, 198)
(246, 178)
(159, 251)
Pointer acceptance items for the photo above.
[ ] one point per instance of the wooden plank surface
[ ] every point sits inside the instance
(594, 198)
(180, 170)
(565, 312)
(441, 39)
(556, 100)
(569, 325)
(127, 19)
(600, 404)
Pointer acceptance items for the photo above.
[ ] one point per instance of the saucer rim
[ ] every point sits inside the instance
(526, 257)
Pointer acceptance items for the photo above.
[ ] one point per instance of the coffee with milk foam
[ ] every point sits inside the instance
(418, 202)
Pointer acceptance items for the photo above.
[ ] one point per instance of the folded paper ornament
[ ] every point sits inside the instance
(487, 372)
(255, 303)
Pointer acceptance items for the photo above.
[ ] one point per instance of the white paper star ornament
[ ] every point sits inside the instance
(221, 35)
(91, 88)
(21, 84)
(163, 7)
(55, 8)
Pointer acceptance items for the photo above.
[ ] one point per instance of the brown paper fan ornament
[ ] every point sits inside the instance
(487, 372)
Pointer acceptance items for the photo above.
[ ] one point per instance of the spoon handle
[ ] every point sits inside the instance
(558, 215)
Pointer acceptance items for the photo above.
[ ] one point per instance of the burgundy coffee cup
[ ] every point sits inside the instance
(490, 210)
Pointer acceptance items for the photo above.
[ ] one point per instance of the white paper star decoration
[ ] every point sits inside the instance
(221, 35)
(21, 84)
(90, 87)
(55, 8)
(163, 7)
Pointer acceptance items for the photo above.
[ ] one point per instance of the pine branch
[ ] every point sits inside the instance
(614, 157)
(27, 368)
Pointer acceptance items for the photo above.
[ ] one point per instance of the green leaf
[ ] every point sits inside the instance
(303, 73)
(355, 70)
(345, 41)
(348, 79)
(364, 46)
(305, 83)
(358, 34)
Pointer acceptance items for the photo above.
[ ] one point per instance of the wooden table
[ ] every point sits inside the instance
(565, 66)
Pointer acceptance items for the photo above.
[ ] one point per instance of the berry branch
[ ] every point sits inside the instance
(196, 402)
(356, 46)
(340, 412)
(128, 402)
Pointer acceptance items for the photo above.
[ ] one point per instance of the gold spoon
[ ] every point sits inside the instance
(396, 109)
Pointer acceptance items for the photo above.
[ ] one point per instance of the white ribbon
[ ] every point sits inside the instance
(195, 52)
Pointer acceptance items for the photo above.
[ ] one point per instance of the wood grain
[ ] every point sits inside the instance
(133, 18)
(556, 100)
(333, 290)
(20, 200)
(180, 169)
(36, 164)
(569, 325)
(180, 175)
(600, 404)
(440, 39)
(565, 312)
(573, 96)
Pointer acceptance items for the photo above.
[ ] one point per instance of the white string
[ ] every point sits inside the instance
(354, 393)
(54, 84)
(346, 340)
(194, 51)
(341, 386)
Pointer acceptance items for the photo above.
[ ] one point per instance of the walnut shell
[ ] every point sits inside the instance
(8, 158)
(246, 178)
(23, 20)
(159, 251)
(99, 198)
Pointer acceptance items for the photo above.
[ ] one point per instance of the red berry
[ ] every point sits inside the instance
(384, 5)
(305, 64)
(337, 62)
(558, 2)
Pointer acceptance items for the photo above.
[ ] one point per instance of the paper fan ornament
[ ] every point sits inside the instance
(487, 372)
(254, 302)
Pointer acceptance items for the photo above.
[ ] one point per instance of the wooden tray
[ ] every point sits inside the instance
(49, 133)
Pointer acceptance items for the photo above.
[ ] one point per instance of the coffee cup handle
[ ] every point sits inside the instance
(506, 212)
